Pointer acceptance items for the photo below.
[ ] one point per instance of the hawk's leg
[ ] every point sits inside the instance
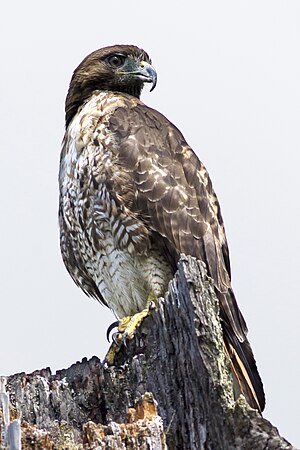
(127, 328)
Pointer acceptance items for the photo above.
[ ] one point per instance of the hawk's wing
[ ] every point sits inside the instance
(173, 195)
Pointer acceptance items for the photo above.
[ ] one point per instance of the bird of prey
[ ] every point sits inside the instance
(134, 196)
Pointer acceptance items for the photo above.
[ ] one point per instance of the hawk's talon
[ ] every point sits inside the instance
(127, 327)
(110, 328)
(117, 338)
(151, 305)
(124, 339)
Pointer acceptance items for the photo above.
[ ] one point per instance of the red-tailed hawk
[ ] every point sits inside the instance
(133, 196)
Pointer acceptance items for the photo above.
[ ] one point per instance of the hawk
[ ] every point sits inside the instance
(134, 196)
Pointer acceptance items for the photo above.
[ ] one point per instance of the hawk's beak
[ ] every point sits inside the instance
(147, 74)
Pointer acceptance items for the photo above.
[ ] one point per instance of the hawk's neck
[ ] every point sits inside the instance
(77, 97)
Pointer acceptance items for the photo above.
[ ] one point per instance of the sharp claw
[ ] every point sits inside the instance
(124, 339)
(110, 328)
(116, 339)
(151, 305)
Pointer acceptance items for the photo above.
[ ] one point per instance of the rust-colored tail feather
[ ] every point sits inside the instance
(247, 378)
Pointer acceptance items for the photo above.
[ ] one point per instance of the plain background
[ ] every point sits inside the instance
(229, 78)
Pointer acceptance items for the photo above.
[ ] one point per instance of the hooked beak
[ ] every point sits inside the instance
(147, 74)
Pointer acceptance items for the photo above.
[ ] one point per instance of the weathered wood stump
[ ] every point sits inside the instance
(171, 387)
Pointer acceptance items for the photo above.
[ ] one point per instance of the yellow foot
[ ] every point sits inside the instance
(126, 331)
(129, 325)
(111, 354)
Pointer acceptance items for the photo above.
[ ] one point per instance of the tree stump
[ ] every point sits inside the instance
(170, 387)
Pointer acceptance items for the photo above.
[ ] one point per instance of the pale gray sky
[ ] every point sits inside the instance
(229, 79)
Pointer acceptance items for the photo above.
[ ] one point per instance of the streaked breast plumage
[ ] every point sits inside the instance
(113, 259)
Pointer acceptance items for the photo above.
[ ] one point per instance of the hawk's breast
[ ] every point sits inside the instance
(106, 247)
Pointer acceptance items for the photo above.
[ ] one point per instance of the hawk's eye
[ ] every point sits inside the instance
(116, 60)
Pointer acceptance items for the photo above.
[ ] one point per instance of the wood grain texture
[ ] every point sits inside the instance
(171, 386)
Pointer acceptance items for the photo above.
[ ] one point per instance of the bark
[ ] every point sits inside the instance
(170, 387)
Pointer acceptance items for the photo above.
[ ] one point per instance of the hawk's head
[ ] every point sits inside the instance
(121, 68)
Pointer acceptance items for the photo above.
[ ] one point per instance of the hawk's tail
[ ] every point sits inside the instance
(246, 377)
